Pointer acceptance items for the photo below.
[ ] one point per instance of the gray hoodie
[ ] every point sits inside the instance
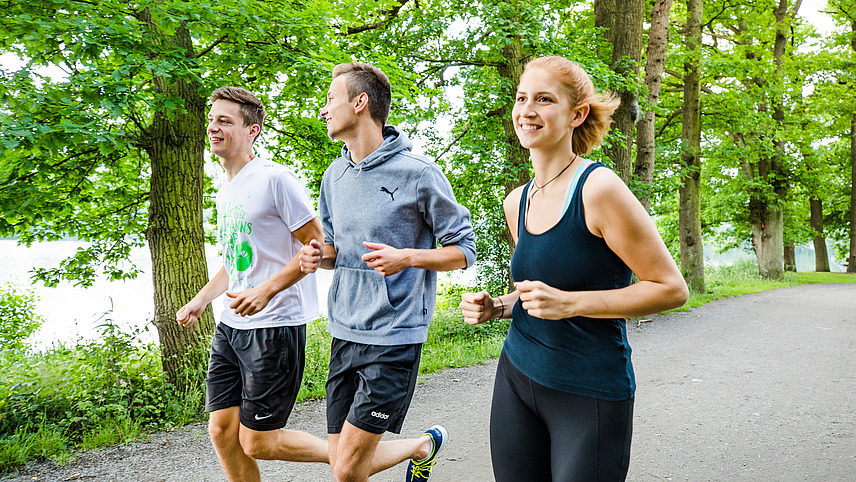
(396, 198)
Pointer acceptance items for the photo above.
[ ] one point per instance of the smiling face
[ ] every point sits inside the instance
(227, 136)
(542, 113)
(338, 112)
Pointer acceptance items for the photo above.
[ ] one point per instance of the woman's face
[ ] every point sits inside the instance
(542, 112)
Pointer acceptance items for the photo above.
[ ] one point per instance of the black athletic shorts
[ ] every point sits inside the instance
(538, 434)
(370, 386)
(259, 370)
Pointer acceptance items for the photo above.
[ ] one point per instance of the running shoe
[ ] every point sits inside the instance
(420, 470)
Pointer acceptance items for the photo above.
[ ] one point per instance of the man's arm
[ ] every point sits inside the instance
(253, 300)
(189, 314)
(389, 261)
(448, 220)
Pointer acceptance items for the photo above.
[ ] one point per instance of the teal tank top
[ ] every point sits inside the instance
(579, 355)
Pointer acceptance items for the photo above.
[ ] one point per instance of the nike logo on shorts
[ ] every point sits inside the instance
(262, 418)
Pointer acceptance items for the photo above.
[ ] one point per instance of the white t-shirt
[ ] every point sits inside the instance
(256, 214)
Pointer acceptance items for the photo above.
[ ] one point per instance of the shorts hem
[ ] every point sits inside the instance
(369, 428)
(258, 427)
(222, 406)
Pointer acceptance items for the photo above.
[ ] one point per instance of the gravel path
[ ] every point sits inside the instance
(757, 387)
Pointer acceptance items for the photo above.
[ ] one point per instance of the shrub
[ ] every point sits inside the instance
(89, 394)
(18, 318)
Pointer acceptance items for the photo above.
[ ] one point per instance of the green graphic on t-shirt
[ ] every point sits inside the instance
(234, 233)
(243, 256)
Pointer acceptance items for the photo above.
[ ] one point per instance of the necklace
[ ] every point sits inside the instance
(535, 180)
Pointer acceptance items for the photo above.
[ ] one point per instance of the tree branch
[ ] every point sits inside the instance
(668, 121)
(455, 140)
(459, 62)
(211, 47)
(390, 14)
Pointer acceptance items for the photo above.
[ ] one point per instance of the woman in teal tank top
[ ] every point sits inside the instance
(564, 391)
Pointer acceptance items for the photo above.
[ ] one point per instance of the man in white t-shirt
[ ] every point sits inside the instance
(257, 355)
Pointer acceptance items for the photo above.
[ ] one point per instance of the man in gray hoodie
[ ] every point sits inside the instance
(383, 212)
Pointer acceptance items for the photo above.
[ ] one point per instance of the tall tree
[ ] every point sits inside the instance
(836, 81)
(655, 63)
(689, 221)
(621, 21)
(754, 68)
(851, 258)
(783, 19)
(845, 10)
(111, 150)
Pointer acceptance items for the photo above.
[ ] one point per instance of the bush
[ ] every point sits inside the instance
(89, 394)
(18, 319)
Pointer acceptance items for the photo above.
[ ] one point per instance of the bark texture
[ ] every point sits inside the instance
(821, 256)
(516, 156)
(622, 20)
(766, 212)
(658, 37)
(175, 235)
(851, 259)
(689, 213)
(790, 256)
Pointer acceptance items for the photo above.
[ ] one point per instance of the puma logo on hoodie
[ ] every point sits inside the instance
(391, 194)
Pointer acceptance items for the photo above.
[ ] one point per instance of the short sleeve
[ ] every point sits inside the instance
(291, 201)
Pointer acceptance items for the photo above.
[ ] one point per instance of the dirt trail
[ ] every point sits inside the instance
(757, 387)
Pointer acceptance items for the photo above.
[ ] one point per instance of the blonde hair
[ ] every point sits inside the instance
(580, 91)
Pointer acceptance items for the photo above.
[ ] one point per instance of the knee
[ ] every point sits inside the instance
(342, 475)
(346, 472)
(252, 447)
(221, 434)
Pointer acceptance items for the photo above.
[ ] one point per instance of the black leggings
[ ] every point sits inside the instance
(541, 434)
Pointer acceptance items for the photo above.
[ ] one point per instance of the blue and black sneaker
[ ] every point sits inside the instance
(420, 470)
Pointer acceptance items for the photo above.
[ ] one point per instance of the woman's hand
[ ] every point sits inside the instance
(543, 301)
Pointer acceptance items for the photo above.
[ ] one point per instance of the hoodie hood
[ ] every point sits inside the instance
(394, 141)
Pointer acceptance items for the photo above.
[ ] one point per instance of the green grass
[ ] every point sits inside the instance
(85, 395)
(92, 394)
(742, 278)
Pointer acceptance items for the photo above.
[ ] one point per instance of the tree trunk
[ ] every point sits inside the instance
(175, 233)
(516, 156)
(622, 20)
(851, 260)
(767, 217)
(769, 245)
(821, 257)
(689, 213)
(790, 256)
(658, 37)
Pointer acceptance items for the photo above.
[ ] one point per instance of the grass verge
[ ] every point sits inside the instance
(742, 278)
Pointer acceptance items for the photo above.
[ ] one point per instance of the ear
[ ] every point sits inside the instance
(254, 130)
(581, 115)
(361, 103)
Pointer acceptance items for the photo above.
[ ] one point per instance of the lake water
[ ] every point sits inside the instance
(71, 312)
